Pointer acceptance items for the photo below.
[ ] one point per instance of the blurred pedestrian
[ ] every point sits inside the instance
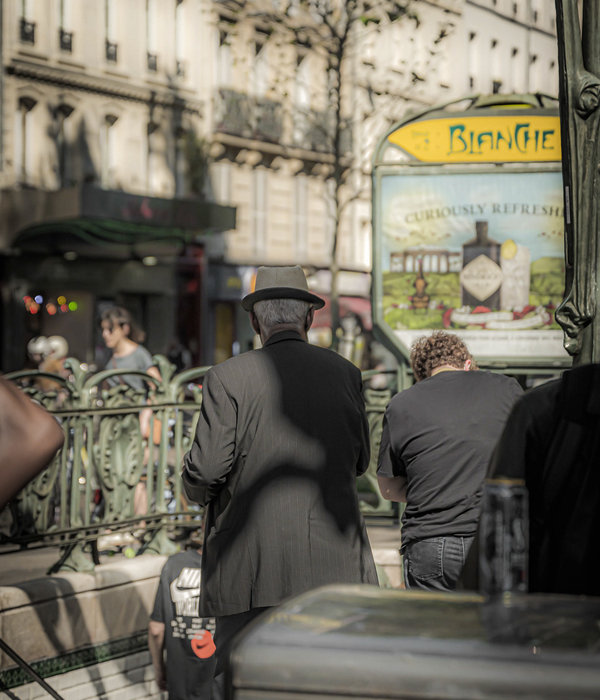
(48, 354)
(123, 337)
(36, 350)
(29, 439)
(437, 439)
(179, 355)
(281, 437)
(55, 353)
(180, 640)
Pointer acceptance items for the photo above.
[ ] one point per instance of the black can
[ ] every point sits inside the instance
(504, 537)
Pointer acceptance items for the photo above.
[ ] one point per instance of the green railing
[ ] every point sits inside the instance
(112, 476)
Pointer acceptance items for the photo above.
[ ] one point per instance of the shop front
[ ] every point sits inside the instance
(67, 255)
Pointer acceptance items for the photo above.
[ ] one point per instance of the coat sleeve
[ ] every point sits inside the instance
(365, 447)
(209, 461)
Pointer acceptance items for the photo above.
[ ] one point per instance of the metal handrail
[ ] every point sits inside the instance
(108, 466)
(9, 651)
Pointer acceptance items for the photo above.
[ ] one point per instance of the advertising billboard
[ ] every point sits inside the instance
(469, 234)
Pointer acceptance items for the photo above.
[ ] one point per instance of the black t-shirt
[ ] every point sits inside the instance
(188, 638)
(439, 435)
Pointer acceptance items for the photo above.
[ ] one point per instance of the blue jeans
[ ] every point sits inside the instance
(435, 564)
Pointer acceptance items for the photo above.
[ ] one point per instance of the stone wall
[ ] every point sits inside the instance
(126, 678)
(69, 622)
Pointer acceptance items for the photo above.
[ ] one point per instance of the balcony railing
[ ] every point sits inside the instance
(240, 114)
(111, 51)
(89, 487)
(152, 62)
(314, 131)
(233, 113)
(27, 31)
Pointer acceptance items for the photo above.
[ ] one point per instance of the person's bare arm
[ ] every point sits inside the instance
(29, 439)
(153, 372)
(156, 641)
(392, 488)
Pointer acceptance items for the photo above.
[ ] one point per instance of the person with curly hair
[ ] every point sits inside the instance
(437, 441)
(429, 354)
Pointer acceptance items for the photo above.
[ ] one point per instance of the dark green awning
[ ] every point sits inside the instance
(103, 222)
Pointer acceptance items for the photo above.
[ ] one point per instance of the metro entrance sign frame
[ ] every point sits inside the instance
(468, 230)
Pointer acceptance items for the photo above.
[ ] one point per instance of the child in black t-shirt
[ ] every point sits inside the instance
(178, 633)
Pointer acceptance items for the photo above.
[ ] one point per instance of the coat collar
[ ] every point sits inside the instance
(284, 335)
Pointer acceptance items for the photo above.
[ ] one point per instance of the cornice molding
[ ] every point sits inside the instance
(108, 86)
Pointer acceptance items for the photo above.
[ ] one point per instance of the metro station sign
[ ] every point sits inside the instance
(468, 229)
(481, 139)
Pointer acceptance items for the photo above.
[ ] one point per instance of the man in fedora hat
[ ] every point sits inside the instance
(281, 437)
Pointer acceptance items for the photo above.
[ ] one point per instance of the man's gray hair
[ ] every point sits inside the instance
(273, 312)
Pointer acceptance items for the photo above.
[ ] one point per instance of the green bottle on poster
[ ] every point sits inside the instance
(481, 275)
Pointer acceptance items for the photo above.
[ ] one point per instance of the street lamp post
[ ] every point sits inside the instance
(579, 91)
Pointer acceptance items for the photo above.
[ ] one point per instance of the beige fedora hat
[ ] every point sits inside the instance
(281, 283)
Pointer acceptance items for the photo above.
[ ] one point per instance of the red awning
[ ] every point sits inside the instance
(348, 305)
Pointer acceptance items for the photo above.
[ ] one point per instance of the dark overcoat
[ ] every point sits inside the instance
(281, 437)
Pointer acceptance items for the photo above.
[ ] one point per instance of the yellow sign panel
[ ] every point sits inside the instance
(489, 139)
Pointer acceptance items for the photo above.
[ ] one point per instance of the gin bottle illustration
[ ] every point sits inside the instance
(481, 275)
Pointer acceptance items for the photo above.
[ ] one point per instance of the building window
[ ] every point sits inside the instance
(108, 151)
(496, 86)
(223, 62)
(516, 75)
(260, 69)
(156, 159)
(65, 174)
(301, 215)
(65, 35)
(111, 51)
(152, 35)
(221, 182)
(473, 58)
(180, 52)
(301, 99)
(496, 63)
(65, 40)
(302, 84)
(27, 31)
(110, 31)
(259, 213)
(180, 164)
(26, 23)
(23, 156)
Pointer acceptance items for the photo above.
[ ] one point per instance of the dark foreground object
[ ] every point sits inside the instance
(362, 642)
